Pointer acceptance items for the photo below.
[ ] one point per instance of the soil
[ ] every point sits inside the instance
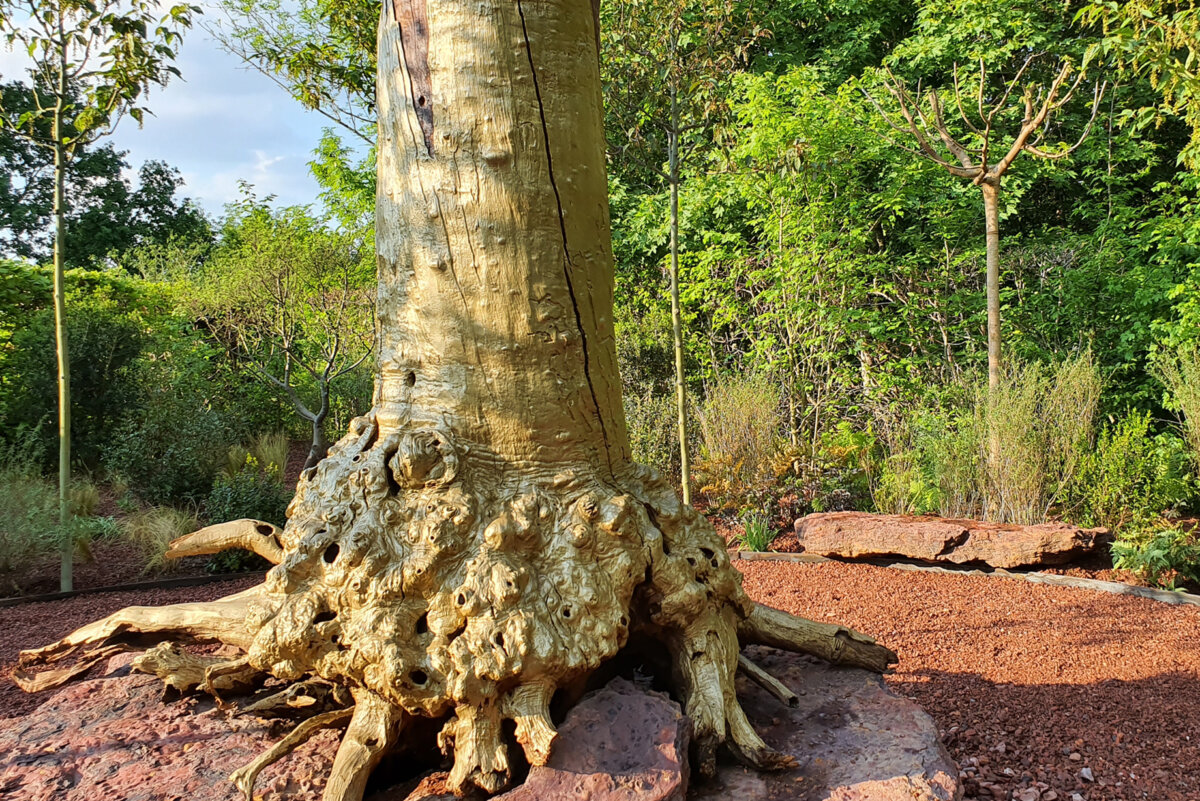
(1029, 684)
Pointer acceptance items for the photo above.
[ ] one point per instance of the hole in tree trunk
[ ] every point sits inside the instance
(423, 624)
(324, 617)
(264, 529)
(418, 677)
(411, 378)
(331, 553)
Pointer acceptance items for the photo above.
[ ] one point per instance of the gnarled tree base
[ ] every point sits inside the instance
(471, 598)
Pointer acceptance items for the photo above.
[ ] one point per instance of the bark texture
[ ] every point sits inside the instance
(481, 538)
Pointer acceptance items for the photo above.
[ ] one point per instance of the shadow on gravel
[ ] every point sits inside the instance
(1137, 738)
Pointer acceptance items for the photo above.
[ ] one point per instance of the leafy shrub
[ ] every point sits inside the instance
(152, 531)
(740, 442)
(251, 492)
(104, 346)
(1131, 478)
(173, 451)
(1161, 555)
(1180, 373)
(756, 532)
(653, 431)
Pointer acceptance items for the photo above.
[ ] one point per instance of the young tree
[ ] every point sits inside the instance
(294, 300)
(104, 55)
(667, 66)
(481, 538)
(996, 122)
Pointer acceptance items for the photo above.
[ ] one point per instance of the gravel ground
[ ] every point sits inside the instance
(1032, 686)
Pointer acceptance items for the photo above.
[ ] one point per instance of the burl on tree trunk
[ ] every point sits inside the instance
(481, 539)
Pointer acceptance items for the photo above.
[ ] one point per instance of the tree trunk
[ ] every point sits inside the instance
(991, 214)
(319, 446)
(685, 462)
(66, 575)
(481, 538)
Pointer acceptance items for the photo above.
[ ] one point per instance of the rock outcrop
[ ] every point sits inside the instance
(860, 535)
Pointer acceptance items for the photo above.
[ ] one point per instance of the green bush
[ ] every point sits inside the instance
(1160, 555)
(172, 452)
(1131, 478)
(1180, 373)
(104, 346)
(251, 492)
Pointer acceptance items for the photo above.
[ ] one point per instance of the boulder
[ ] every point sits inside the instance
(854, 740)
(854, 535)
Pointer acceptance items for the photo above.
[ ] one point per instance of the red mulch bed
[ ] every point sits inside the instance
(1028, 683)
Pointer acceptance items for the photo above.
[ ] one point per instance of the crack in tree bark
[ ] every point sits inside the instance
(563, 227)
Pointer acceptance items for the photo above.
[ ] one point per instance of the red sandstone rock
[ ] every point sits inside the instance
(854, 739)
(934, 539)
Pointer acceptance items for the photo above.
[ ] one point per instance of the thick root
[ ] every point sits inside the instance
(768, 682)
(253, 535)
(529, 707)
(49, 679)
(185, 672)
(373, 730)
(225, 620)
(245, 777)
(835, 644)
(480, 758)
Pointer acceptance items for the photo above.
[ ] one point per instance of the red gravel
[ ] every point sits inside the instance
(1022, 676)
(1019, 676)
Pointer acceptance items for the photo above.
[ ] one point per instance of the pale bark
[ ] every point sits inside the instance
(481, 537)
(66, 577)
(991, 214)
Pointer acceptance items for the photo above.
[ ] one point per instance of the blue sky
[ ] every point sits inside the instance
(220, 124)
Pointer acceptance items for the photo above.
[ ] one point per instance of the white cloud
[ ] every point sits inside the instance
(221, 123)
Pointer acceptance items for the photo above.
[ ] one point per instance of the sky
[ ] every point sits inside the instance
(219, 124)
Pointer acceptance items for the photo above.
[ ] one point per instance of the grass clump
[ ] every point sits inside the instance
(756, 532)
(153, 529)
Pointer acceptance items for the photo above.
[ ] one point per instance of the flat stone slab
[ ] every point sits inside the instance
(114, 739)
(855, 535)
(853, 738)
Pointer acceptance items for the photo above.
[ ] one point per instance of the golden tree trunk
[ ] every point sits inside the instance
(481, 538)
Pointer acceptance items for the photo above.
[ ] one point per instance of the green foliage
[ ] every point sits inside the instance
(756, 532)
(1180, 373)
(254, 491)
(1132, 477)
(1164, 556)
(172, 451)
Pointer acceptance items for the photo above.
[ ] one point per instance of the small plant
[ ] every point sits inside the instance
(84, 497)
(739, 427)
(28, 503)
(271, 451)
(756, 532)
(235, 460)
(152, 531)
(1163, 556)
(251, 492)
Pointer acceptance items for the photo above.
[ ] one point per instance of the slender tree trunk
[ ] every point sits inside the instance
(685, 462)
(320, 445)
(481, 538)
(991, 214)
(66, 576)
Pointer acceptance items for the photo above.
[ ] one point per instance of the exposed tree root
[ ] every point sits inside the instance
(253, 535)
(184, 672)
(836, 644)
(373, 730)
(302, 698)
(245, 776)
(768, 682)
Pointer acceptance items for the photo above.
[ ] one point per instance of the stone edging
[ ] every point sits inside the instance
(1113, 587)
